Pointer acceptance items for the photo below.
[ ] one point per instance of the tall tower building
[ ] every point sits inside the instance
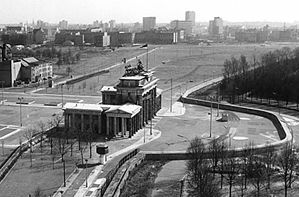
(216, 27)
(190, 16)
(63, 24)
(149, 23)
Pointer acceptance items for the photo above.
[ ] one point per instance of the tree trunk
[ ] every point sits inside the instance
(71, 149)
(221, 181)
(90, 150)
(51, 141)
(230, 187)
(258, 188)
(81, 151)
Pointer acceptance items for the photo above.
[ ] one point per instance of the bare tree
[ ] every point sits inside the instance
(42, 126)
(54, 123)
(231, 169)
(256, 172)
(28, 135)
(269, 159)
(247, 157)
(286, 161)
(215, 149)
(223, 154)
(200, 181)
(90, 137)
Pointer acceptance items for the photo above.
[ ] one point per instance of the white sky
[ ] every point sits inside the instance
(129, 11)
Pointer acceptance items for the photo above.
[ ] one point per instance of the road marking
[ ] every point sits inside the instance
(269, 137)
(243, 118)
(293, 121)
(9, 134)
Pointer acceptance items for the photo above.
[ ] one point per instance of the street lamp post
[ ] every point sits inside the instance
(211, 116)
(62, 95)
(86, 171)
(143, 134)
(218, 101)
(211, 120)
(2, 82)
(64, 181)
(20, 102)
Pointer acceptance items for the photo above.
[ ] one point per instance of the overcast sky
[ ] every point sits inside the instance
(129, 11)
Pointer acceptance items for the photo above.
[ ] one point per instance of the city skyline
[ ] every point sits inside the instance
(85, 12)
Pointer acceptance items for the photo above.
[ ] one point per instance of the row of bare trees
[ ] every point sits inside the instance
(60, 140)
(274, 75)
(213, 167)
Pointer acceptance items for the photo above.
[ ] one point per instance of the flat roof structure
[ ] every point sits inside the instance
(134, 78)
(108, 89)
(83, 106)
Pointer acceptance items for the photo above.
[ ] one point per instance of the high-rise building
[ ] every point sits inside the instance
(190, 16)
(63, 24)
(216, 27)
(149, 23)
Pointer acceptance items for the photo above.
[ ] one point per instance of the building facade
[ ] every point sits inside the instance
(182, 25)
(9, 72)
(149, 23)
(190, 16)
(216, 28)
(156, 37)
(33, 70)
(125, 108)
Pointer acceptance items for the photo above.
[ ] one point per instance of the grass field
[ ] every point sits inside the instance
(184, 64)
(24, 179)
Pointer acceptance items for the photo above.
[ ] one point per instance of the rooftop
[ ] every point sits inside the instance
(30, 60)
(108, 89)
(127, 108)
(135, 77)
(83, 106)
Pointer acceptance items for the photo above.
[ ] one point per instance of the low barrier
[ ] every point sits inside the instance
(118, 183)
(112, 172)
(17, 152)
(282, 128)
(86, 76)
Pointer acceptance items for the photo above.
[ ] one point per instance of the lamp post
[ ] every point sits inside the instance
(86, 171)
(62, 95)
(2, 82)
(211, 116)
(218, 100)
(144, 134)
(20, 102)
(64, 181)
(171, 95)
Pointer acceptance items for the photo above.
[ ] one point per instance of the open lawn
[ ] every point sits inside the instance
(24, 179)
(10, 115)
(184, 64)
